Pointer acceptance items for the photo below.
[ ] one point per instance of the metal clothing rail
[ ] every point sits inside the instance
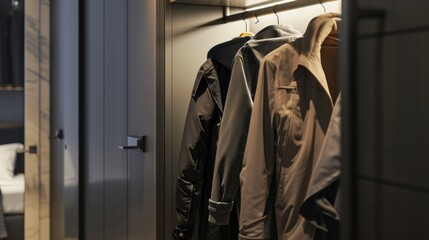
(270, 10)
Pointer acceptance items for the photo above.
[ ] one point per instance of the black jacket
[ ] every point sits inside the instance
(198, 148)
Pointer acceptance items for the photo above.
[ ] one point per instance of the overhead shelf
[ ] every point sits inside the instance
(270, 9)
(226, 3)
(251, 7)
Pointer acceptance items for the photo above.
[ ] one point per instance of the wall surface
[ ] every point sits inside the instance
(12, 107)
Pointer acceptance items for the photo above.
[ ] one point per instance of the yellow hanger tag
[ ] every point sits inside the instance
(247, 34)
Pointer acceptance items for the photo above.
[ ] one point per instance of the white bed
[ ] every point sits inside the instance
(12, 182)
(13, 194)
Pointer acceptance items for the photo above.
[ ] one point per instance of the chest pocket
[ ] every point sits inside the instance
(288, 123)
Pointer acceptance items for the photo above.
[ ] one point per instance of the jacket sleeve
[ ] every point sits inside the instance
(193, 157)
(258, 163)
(232, 140)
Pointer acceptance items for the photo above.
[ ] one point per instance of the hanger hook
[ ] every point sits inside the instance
(244, 20)
(277, 16)
(321, 3)
(256, 16)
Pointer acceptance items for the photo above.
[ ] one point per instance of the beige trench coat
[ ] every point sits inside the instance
(291, 113)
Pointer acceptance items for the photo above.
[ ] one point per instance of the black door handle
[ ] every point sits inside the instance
(129, 147)
(57, 135)
(135, 143)
(31, 149)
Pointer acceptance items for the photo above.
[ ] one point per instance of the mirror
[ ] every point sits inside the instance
(24, 119)
(12, 98)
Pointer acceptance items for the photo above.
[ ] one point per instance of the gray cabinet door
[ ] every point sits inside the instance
(142, 119)
(122, 188)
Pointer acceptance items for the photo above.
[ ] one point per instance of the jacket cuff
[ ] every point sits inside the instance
(219, 212)
(181, 234)
(241, 237)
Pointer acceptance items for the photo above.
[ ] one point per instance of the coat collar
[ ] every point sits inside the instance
(208, 73)
(317, 31)
(270, 38)
(223, 53)
(275, 31)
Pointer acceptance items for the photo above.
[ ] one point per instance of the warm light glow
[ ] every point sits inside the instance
(269, 5)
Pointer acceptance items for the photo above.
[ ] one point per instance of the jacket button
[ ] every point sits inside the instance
(181, 235)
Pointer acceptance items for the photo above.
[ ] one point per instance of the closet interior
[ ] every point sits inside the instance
(201, 31)
(385, 185)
